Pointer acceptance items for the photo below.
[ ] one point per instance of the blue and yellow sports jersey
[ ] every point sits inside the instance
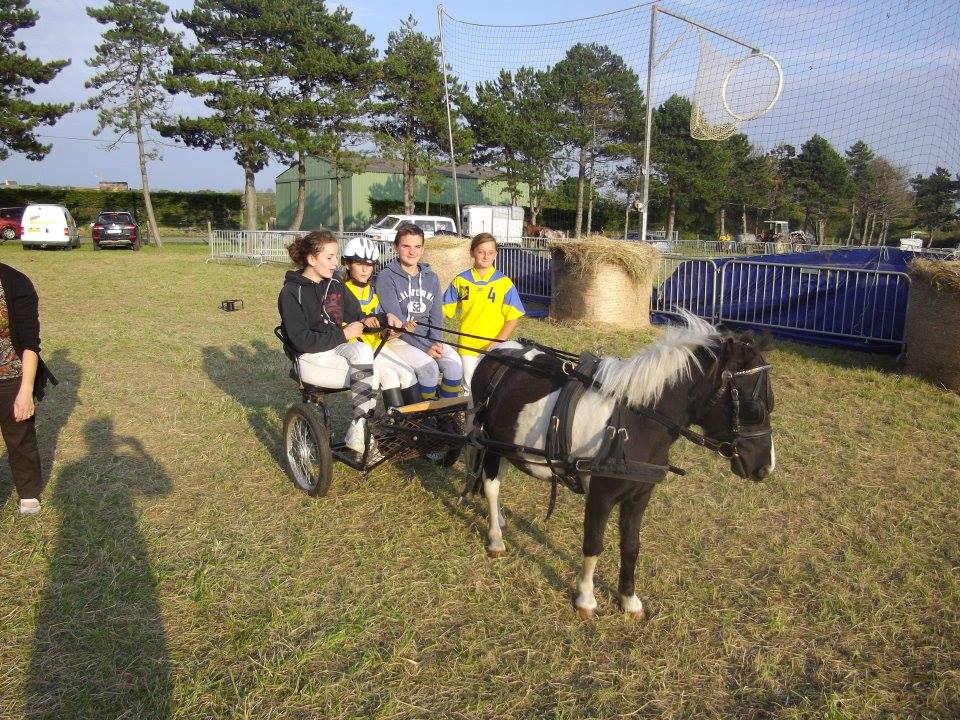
(485, 304)
(369, 304)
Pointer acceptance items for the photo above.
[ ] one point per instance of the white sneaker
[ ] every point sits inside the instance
(354, 437)
(30, 506)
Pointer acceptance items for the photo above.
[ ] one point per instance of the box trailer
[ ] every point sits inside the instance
(504, 222)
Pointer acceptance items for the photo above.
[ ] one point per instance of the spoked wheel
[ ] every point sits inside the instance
(306, 442)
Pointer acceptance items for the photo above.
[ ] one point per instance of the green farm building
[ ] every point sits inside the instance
(378, 190)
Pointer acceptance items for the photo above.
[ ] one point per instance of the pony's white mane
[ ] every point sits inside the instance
(641, 380)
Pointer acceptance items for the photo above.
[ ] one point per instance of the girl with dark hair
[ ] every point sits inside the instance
(319, 317)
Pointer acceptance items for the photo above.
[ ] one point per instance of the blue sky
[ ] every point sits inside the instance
(878, 69)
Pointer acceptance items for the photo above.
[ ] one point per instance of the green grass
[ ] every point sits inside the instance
(175, 573)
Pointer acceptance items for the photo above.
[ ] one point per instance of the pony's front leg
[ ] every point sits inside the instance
(595, 518)
(631, 513)
(491, 490)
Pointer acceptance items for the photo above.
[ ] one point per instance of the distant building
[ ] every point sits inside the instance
(381, 183)
(113, 185)
(10, 183)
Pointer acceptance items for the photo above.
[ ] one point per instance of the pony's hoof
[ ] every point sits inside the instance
(633, 608)
(496, 552)
(586, 613)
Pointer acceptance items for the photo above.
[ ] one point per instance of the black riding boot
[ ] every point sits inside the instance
(411, 394)
(392, 397)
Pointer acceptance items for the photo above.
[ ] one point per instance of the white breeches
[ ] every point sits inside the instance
(470, 363)
(393, 371)
(347, 365)
(428, 370)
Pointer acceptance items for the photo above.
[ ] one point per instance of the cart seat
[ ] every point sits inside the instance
(318, 390)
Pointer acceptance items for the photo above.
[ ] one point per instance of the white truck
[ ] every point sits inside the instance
(504, 222)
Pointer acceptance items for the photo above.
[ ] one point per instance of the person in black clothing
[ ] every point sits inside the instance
(23, 378)
(319, 316)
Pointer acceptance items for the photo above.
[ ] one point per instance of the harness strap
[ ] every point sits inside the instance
(559, 440)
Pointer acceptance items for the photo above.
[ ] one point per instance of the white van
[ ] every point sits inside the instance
(504, 222)
(386, 229)
(49, 226)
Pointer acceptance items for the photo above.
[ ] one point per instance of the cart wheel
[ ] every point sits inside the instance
(306, 442)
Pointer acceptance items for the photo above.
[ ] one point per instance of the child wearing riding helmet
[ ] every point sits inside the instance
(320, 317)
(487, 302)
(397, 379)
(411, 290)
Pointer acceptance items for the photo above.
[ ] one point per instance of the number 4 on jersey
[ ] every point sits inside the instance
(492, 296)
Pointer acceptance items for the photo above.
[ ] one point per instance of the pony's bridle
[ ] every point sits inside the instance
(751, 410)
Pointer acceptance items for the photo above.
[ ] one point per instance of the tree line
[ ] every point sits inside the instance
(289, 80)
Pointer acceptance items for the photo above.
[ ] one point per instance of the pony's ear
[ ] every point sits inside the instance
(764, 341)
(727, 347)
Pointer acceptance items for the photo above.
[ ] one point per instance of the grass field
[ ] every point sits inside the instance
(175, 573)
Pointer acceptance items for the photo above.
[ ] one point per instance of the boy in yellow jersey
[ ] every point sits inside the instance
(488, 303)
(397, 379)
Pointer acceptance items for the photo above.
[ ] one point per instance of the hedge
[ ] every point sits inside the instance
(173, 209)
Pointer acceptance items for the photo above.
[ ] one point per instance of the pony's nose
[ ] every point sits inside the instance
(763, 473)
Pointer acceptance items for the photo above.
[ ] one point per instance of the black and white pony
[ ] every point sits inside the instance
(695, 375)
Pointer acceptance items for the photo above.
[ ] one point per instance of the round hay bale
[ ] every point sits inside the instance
(933, 322)
(605, 281)
(447, 256)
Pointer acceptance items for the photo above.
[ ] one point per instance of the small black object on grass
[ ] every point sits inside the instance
(231, 305)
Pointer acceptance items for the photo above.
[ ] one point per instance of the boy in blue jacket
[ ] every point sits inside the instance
(410, 290)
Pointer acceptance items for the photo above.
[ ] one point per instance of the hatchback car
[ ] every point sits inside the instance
(10, 223)
(115, 228)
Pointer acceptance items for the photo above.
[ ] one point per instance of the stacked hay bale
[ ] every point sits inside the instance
(447, 255)
(599, 280)
(933, 322)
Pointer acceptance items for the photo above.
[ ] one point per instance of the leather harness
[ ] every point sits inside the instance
(611, 460)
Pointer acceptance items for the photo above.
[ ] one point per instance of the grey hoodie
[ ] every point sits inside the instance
(412, 297)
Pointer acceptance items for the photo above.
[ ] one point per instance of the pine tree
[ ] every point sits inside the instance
(858, 158)
(235, 67)
(332, 68)
(693, 172)
(19, 75)
(601, 107)
(821, 181)
(412, 117)
(751, 178)
(133, 60)
(936, 199)
(517, 133)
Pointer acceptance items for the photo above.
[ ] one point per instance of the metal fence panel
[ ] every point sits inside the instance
(838, 302)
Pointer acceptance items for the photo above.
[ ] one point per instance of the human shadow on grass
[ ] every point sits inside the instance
(52, 414)
(100, 649)
(256, 377)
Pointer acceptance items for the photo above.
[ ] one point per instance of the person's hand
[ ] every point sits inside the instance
(410, 326)
(393, 321)
(435, 351)
(371, 322)
(23, 407)
(353, 330)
